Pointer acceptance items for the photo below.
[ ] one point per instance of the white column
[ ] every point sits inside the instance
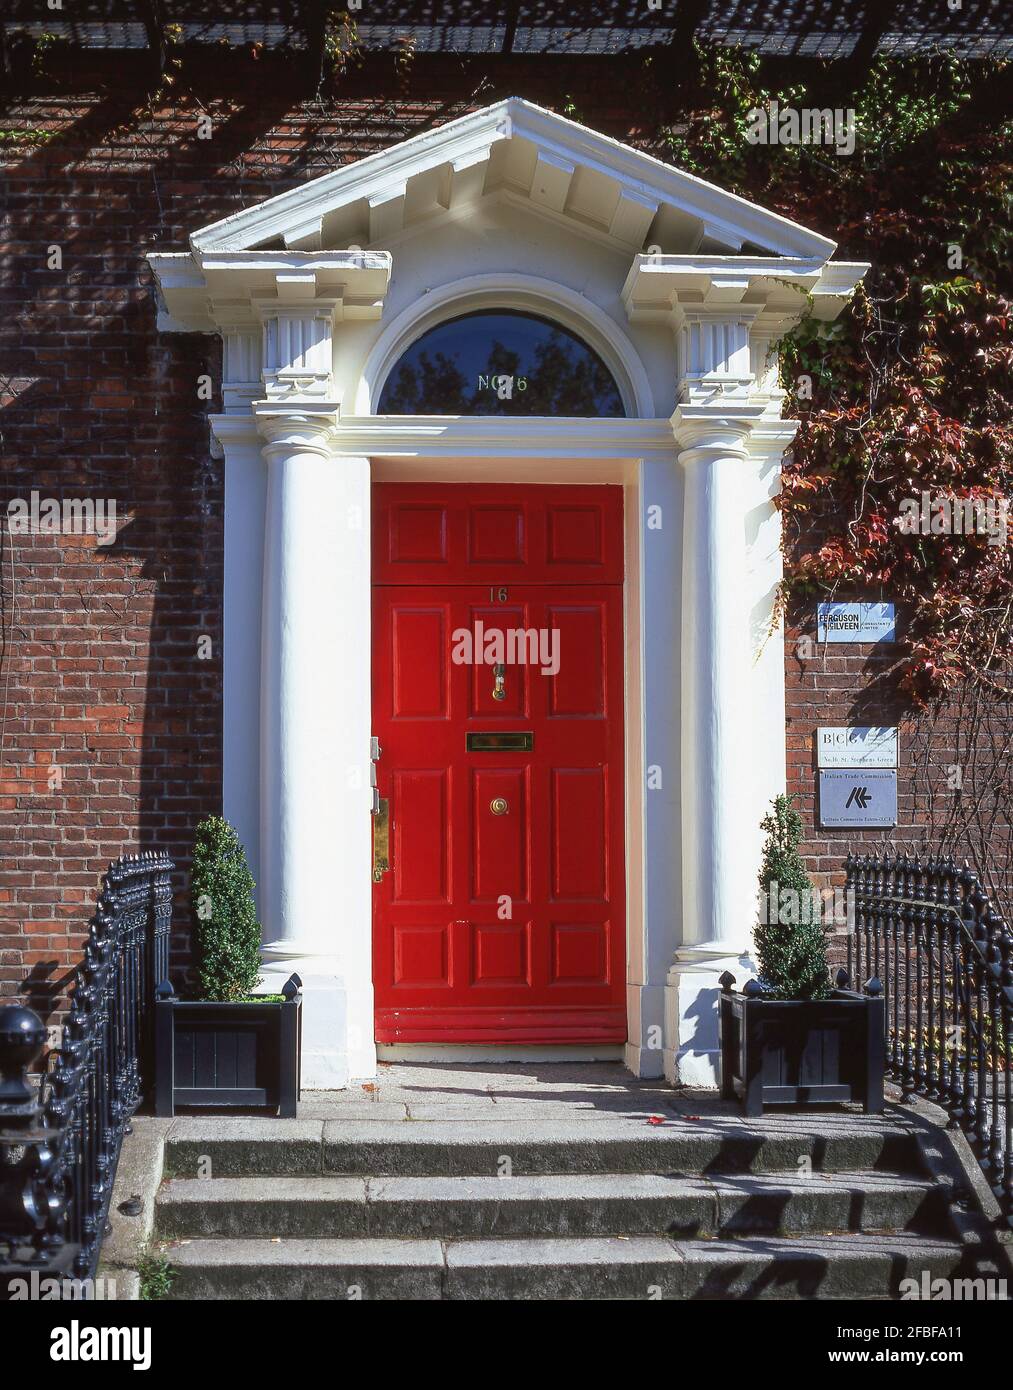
(315, 729)
(718, 868)
(245, 502)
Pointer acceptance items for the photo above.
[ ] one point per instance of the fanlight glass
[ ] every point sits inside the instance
(500, 362)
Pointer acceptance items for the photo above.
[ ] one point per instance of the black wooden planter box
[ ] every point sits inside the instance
(228, 1056)
(802, 1053)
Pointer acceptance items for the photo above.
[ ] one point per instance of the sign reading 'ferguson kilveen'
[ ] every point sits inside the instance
(856, 622)
(861, 797)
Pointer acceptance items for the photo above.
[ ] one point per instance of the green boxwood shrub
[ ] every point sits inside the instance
(791, 947)
(226, 930)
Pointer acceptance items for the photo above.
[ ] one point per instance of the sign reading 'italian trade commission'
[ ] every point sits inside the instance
(861, 797)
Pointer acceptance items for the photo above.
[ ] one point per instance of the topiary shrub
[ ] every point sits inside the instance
(226, 930)
(790, 943)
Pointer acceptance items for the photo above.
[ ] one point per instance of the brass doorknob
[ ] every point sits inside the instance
(498, 806)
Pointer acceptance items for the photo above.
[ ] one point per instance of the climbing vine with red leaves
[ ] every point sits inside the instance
(909, 395)
(925, 417)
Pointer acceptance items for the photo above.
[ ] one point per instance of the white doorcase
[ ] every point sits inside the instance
(322, 851)
(316, 293)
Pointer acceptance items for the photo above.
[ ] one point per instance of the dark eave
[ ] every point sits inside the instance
(850, 31)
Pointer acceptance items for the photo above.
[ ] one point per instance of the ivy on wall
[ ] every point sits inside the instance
(908, 395)
(906, 401)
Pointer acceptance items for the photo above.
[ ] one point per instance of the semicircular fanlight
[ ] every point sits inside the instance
(500, 362)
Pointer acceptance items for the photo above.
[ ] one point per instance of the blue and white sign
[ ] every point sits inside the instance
(864, 797)
(857, 747)
(856, 622)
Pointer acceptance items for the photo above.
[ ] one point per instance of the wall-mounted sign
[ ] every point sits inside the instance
(856, 622)
(863, 797)
(874, 747)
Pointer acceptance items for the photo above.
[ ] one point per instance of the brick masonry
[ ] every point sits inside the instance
(110, 728)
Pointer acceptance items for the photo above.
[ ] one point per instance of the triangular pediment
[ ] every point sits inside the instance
(518, 151)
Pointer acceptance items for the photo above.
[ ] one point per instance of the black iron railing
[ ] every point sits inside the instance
(945, 956)
(60, 1142)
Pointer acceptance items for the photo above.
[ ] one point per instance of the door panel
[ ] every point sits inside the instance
(421, 859)
(419, 682)
(482, 678)
(502, 918)
(431, 533)
(578, 688)
(578, 839)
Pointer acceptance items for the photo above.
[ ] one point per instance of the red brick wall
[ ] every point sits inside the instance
(110, 735)
(953, 785)
(111, 739)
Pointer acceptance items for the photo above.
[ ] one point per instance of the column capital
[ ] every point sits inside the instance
(730, 312)
(307, 427)
(717, 429)
(298, 345)
(275, 310)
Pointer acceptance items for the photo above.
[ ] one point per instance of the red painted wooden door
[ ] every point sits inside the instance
(501, 918)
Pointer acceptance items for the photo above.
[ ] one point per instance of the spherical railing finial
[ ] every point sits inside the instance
(22, 1036)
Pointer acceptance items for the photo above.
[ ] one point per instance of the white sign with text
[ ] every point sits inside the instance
(858, 747)
(856, 622)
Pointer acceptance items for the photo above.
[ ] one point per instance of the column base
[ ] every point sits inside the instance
(691, 1010)
(337, 1048)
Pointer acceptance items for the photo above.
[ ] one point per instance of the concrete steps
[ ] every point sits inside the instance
(612, 1206)
(453, 1208)
(594, 1267)
(431, 1148)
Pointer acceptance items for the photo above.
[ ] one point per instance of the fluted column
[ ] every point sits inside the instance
(315, 728)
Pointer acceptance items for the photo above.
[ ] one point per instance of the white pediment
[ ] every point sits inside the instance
(517, 151)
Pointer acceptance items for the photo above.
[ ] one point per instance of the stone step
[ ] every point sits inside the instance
(575, 1205)
(219, 1146)
(647, 1267)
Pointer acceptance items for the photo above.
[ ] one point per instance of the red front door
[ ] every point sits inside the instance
(501, 918)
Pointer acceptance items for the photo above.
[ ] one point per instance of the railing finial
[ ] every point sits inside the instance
(22, 1037)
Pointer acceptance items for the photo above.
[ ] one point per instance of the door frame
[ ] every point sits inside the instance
(335, 962)
(641, 1053)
